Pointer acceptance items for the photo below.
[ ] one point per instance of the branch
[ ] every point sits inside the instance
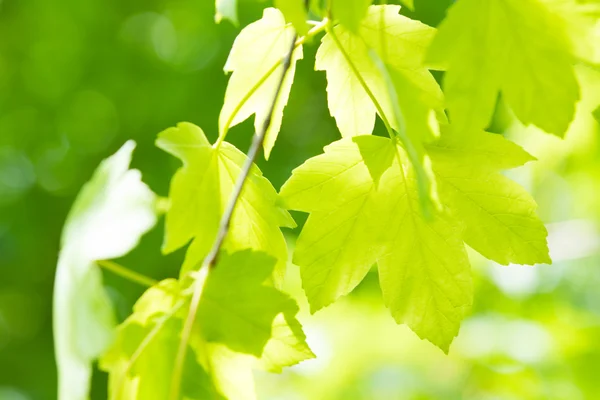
(211, 259)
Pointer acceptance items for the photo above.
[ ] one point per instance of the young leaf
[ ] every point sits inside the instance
(380, 70)
(295, 13)
(362, 198)
(237, 319)
(142, 357)
(516, 47)
(360, 206)
(226, 9)
(236, 309)
(256, 62)
(199, 193)
(110, 214)
(350, 13)
(398, 41)
(498, 214)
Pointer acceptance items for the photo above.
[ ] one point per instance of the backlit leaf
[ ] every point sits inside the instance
(362, 198)
(238, 318)
(256, 65)
(350, 13)
(226, 9)
(110, 214)
(515, 47)
(200, 190)
(295, 13)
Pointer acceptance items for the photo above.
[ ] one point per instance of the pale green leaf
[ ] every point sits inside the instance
(400, 42)
(425, 276)
(499, 215)
(226, 9)
(580, 18)
(239, 310)
(238, 314)
(142, 358)
(236, 308)
(516, 47)
(356, 220)
(480, 150)
(350, 13)
(255, 61)
(380, 70)
(344, 234)
(295, 13)
(287, 345)
(363, 201)
(200, 191)
(110, 214)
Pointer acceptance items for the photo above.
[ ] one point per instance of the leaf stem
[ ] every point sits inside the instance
(211, 259)
(126, 273)
(320, 27)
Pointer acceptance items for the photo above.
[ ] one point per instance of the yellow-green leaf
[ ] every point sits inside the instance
(295, 13)
(515, 47)
(237, 325)
(363, 205)
(400, 43)
(350, 13)
(255, 61)
(226, 9)
(200, 191)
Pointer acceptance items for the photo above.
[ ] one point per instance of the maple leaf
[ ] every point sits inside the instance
(362, 198)
(200, 191)
(256, 62)
(347, 58)
(236, 329)
(515, 47)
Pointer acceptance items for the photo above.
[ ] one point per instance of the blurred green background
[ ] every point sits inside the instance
(78, 78)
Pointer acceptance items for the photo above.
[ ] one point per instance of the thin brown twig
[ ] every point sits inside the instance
(211, 259)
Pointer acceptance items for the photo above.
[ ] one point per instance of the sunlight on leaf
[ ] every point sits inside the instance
(238, 320)
(110, 214)
(200, 191)
(364, 209)
(517, 47)
(258, 48)
(226, 9)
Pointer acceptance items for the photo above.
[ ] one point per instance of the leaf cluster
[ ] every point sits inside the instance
(410, 202)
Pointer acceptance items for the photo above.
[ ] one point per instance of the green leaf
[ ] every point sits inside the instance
(408, 3)
(256, 62)
(226, 9)
(380, 70)
(200, 191)
(142, 357)
(363, 202)
(110, 214)
(238, 315)
(350, 13)
(295, 13)
(498, 214)
(236, 308)
(400, 43)
(516, 47)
